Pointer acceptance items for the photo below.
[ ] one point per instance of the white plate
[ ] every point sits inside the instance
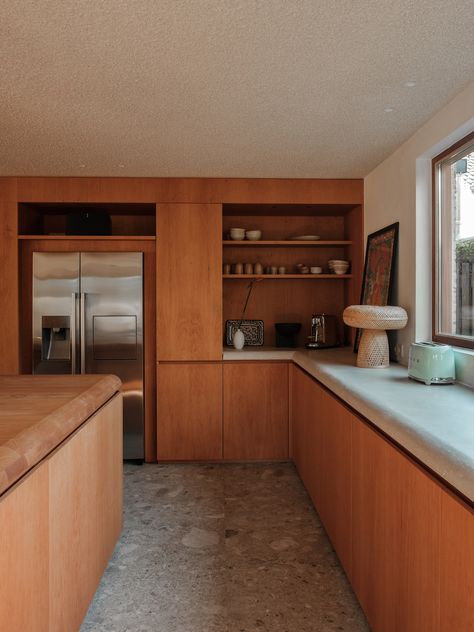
(306, 238)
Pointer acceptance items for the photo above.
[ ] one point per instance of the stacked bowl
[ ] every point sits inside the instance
(338, 266)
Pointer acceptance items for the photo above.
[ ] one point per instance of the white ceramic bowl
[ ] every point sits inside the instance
(340, 269)
(253, 235)
(315, 270)
(237, 234)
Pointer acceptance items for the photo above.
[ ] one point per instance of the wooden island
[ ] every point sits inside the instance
(60, 496)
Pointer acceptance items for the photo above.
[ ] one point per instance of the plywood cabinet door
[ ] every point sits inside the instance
(333, 463)
(321, 429)
(255, 410)
(189, 282)
(395, 537)
(189, 411)
(456, 565)
(305, 434)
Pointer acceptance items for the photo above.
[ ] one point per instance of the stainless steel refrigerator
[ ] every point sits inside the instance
(88, 318)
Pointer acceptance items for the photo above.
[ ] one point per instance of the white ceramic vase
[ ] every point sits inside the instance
(238, 339)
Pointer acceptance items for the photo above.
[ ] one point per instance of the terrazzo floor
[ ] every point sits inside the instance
(221, 548)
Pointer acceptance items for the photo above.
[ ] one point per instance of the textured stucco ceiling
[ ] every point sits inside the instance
(231, 88)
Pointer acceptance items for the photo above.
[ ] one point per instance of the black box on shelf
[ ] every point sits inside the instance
(88, 223)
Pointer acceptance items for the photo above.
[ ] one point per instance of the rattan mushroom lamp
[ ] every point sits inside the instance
(374, 320)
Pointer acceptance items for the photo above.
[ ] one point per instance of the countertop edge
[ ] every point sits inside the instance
(28, 448)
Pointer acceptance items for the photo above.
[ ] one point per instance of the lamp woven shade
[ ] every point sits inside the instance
(374, 320)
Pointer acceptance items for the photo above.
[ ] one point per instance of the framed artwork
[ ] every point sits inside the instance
(377, 279)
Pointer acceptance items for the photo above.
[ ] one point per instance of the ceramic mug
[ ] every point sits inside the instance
(239, 268)
(248, 268)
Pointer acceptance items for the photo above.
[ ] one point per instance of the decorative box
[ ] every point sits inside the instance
(252, 330)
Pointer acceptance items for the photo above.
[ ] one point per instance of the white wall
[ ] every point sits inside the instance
(399, 189)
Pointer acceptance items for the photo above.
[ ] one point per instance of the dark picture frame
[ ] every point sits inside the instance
(377, 280)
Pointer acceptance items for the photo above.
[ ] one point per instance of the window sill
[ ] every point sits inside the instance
(464, 359)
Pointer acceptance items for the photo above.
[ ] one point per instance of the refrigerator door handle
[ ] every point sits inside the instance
(83, 331)
(73, 334)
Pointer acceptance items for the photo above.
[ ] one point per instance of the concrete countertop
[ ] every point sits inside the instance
(38, 412)
(434, 423)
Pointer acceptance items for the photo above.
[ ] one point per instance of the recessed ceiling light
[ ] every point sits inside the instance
(82, 165)
(121, 166)
(410, 84)
(389, 109)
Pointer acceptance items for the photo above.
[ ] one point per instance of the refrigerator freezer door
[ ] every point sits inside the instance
(111, 307)
(55, 312)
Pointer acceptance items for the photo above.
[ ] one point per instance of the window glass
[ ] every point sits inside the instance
(454, 244)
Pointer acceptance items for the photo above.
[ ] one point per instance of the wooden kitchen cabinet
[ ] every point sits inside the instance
(189, 411)
(189, 282)
(321, 432)
(255, 410)
(59, 525)
(24, 554)
(85, 489)
(406, 542)
(10, 338)
(304, 432)
(395, 537)
(456, 565)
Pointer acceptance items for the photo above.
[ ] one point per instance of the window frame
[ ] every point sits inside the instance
(451, 339)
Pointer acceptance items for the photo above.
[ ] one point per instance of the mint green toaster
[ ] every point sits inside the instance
(431, 363)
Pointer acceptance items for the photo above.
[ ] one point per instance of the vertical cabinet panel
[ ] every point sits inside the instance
(86, 514)
(24, 555)
(255, 410)
(305, 436)
(334, 473)
(321, 429)
(395, 541)
(189, 282)
(189, 411)
(456, 566)
(10, 339)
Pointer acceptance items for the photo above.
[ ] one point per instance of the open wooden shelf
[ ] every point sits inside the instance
(288, 243)
(51, 219)
(89, 237)
(276, 277)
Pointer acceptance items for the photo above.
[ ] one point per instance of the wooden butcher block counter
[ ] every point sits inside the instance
(60, 496)
(38, 412)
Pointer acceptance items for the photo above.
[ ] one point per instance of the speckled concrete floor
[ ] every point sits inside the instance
(221, 548)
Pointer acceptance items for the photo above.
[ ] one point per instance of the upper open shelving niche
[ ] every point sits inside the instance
(48, 220)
